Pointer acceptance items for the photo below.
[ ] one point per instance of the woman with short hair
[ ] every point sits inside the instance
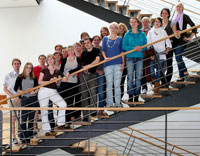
(49, 92)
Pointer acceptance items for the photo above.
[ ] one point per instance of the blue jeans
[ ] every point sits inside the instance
(134, 70)
(181, 64)
(100, 90)
(154, 65)
(27, 132)
(113, 75)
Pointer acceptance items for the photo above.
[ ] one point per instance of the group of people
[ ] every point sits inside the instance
(97, 82)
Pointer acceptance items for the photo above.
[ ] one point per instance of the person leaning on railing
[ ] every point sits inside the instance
(182, 20)
(27, 80)
(49, 92)
(90, 56)
(161, 49)
(134, 39)
(69, 85)
(8, 87)
(112, 46)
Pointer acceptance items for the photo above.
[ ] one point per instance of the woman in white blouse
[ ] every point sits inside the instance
(162, 48)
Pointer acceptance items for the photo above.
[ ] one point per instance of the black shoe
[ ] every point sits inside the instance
(86, 119)
(130, 98)
(136, 99)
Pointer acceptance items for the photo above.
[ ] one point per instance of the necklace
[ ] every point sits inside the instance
(111, 46)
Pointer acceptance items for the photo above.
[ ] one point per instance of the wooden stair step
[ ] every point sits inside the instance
(133, 103)
(64, 130)
(184, 83)
(193, 76)
(112, 153)
(91, 148)
(146, 96)
(34, 141)
(101, 151)
(15, 148)
(105, 116)
(81, 123)
(81, 144)
(194, 70)
(167, 89)
(43, 136)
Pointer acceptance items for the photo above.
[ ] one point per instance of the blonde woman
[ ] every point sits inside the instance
(25, 81)
(50, 92)
(112, 46)
(182, 20)
(122, 29)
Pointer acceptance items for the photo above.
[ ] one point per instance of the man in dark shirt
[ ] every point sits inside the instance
(90, 56)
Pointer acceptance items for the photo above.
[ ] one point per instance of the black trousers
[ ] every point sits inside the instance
(70, 93)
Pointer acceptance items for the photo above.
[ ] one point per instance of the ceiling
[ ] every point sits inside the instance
(17, 3)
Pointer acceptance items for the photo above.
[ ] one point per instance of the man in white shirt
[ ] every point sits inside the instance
(9, 83)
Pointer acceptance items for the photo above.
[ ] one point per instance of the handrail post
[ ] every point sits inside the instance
(172, 150)
(19, 124)
(89, 120)
(166, 133)
(127, 143)
(11, 132)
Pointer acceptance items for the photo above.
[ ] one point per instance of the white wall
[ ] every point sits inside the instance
(27, 32)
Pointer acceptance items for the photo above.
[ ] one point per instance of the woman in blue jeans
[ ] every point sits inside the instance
(112, 46)
(25, 81)
(134, 39)
(162, 49)
(182, 20)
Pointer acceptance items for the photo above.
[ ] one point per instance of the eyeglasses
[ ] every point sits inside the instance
(16, 63)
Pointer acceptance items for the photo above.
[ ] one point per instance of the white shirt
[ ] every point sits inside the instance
(9, 81)
(155, 34)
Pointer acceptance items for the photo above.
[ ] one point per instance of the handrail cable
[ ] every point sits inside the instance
(161, 140)
(102, 62)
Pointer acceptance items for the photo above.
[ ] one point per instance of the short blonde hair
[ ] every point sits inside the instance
(77, 44)
(51, 56)
(180, 4)
(114, 24)
(146, 18)
(70, 46)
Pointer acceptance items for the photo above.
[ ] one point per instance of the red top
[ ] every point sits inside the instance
(37, 70)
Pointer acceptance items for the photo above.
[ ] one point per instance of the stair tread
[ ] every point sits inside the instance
(184, 82)
(133, 103)
(112, 153)
(101, 151)
(42, 136)
(92, 148)
(81, 144)
(81, 123)
(166, 89)
(15, 148)
(151, 96)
